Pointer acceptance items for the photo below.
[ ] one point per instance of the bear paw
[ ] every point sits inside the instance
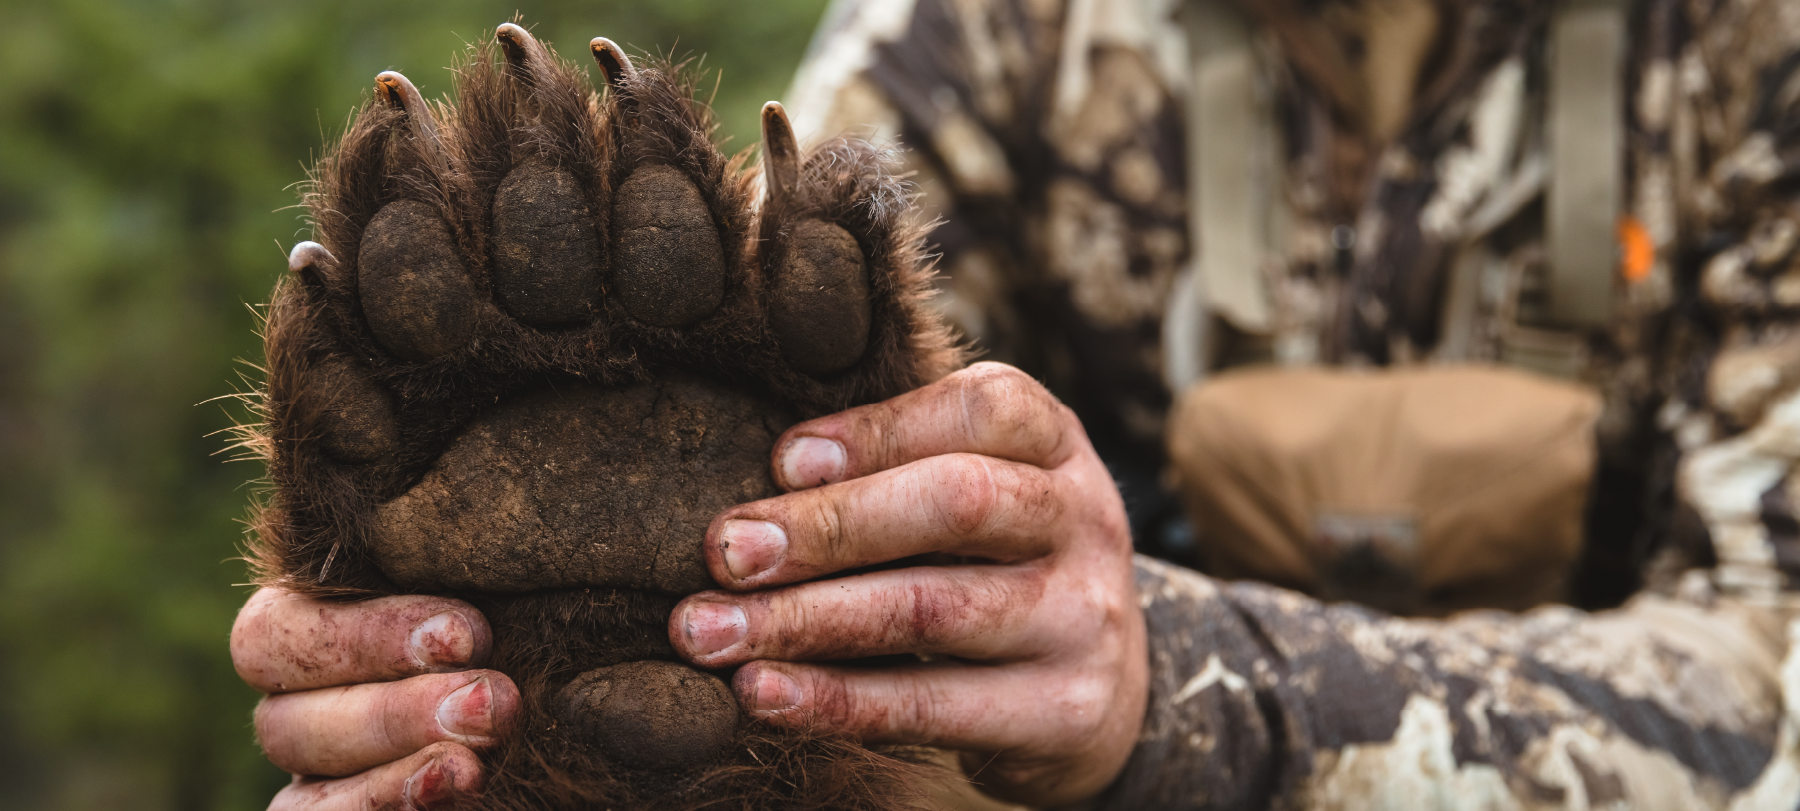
(545, 335)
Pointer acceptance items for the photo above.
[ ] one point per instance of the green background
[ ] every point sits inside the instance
(147, 155)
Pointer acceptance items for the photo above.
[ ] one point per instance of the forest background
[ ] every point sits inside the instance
(148, 155)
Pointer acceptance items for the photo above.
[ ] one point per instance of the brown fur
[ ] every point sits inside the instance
(536, 112)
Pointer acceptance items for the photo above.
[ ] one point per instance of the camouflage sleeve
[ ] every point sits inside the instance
(1263, 698)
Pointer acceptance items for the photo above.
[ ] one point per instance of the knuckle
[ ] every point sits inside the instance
(1036, 497)
(980, 499)
(967, 507)
(830, 702)
(997, 393)
(1092, 614)
(396, 716)
(935, 613)
(1010, 409)
(1087, 700)
(990, 371)
(827, 524)
(919, 713)
(872, 433)
(941, 614)
(882, 437)
(1116, 608)
(787, 625)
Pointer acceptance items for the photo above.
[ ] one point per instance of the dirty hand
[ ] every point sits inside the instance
(1037, 669)
(371, 704)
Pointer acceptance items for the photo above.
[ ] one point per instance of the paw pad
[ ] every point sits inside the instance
(356, 416)
(820, 303)
(413, 287)
(547, 254)
(671, 268)
(654, 716)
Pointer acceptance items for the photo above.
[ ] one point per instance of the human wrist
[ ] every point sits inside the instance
(1205, 740)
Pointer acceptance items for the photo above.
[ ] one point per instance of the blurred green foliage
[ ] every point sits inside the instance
(147, 150)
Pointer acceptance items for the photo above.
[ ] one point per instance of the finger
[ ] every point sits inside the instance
(990, 409)
(954, 705)
(339, 731)
(431, 778)
(959, 504)
(284, 641)
(979, 612)
(999, 717)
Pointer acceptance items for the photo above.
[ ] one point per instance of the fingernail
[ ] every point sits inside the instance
(810, 461)
(429, 785)
(469, 711)
(774, 693)
(444, 641)
(751, 547)
(713, 627)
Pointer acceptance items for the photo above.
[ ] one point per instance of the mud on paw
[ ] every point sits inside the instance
(545, 335)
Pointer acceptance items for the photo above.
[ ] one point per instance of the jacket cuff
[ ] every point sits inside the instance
(1208, 736)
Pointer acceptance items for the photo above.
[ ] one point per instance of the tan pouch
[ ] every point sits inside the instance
(1422, 491)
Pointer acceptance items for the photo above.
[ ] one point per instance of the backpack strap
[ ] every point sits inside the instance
(1231, 193)
(1587, 147)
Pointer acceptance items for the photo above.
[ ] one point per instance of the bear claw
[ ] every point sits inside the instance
(781, 155)
(308, 261)
(614, 64)
(523, 53)
(819, 303)
(400, 94)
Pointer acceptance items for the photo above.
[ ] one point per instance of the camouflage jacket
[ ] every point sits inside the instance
(1048, 137)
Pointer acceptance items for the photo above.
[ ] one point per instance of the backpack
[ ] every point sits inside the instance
(1416, 489)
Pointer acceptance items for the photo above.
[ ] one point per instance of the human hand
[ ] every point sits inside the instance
(1038, 672)
(370, 704)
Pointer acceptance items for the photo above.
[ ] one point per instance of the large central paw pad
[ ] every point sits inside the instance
(583, 486)
(545, 336)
